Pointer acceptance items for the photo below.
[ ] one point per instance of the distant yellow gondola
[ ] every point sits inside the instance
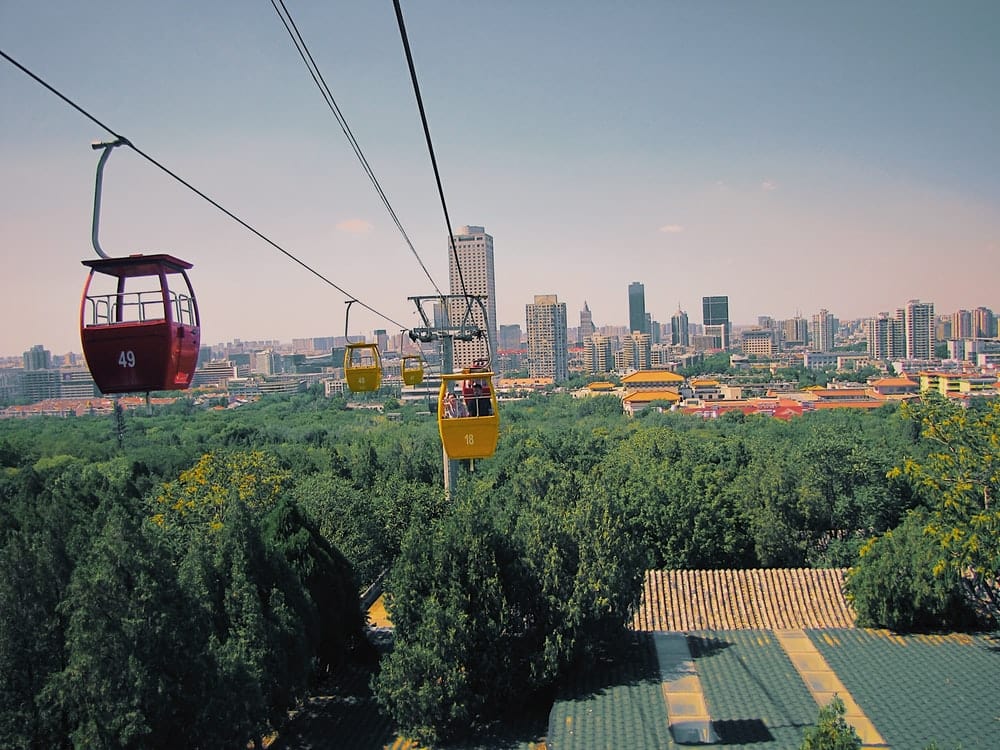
(362, 367)
(468, 421)
(413, 369)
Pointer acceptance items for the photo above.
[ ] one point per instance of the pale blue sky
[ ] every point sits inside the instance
(793, 155)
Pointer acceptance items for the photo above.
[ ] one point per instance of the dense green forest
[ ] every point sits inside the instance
(185, 583)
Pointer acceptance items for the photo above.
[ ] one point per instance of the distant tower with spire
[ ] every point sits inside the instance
(679, 333)
(586, 323)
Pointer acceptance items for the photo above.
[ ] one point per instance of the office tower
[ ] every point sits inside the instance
(715, 317)
(381, 339)
(510, 337)
(795, 332)
(547, 345)
(37, 358)
(962, 325)
(598, 353)
(637, 307)
(822, 331)
(758, 342)
(586, 323)
(918, 321)
(679, 329)
(266, 362)
(984, 323)
(474, 249)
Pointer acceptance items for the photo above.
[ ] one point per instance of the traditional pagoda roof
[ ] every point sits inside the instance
(651, 377)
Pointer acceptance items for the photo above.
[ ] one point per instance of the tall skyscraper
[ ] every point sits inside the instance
(586, 323)
(715, 318)
(637, 307)
(679, 331)
(919, 325)
(547, 345)
(474, 249)
(822, 331)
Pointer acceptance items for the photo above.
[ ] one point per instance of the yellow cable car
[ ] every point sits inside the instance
(362, 367)
(468, 421)
(413, 369)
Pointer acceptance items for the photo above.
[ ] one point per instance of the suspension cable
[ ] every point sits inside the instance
(331, 103)
(189, 186)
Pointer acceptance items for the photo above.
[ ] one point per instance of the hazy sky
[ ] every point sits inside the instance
(793, 155)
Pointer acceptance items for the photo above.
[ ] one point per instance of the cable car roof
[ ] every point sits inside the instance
(138, 265)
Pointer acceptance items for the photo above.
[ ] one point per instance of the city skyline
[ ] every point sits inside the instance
(792, 326)
(795, 157)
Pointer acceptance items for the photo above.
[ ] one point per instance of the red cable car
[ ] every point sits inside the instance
(138, 334)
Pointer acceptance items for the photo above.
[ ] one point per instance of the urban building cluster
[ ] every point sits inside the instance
(913, 339)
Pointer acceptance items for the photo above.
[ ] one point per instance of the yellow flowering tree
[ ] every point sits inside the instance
(202, 494)
(962, 478)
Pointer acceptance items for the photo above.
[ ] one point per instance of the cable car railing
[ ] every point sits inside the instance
(138, 307)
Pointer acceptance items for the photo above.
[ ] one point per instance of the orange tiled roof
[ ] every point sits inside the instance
(652, 376)
(686, 600)
(601, 386)
(895, 382)
(644, 397)
(842, 393)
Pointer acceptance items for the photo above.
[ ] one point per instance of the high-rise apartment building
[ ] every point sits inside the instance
(918, 322)
(962, 325)
(474, 252)
(984, 323)
(886, 339)
(942, 328)
(637, 308)
(822, 331)
(547, 344)
(636, 352)
(586, 323)
(679, 330)
(715, 318)
(598, 353)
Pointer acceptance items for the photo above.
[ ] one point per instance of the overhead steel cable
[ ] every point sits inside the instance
(303, 49)
(192, 188)
(430, 147)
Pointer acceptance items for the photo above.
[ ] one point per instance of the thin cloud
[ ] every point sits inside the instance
(671, 228)
(354, 226)
(768, 186)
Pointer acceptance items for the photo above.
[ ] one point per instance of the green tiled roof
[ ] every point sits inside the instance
(915, 689)
(618, 704)
(755, 696)
(919, 689)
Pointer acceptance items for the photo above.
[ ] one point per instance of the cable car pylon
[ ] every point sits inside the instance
(468, 420)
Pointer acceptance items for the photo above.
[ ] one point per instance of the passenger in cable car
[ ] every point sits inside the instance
(476, 393)
(453, 407)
